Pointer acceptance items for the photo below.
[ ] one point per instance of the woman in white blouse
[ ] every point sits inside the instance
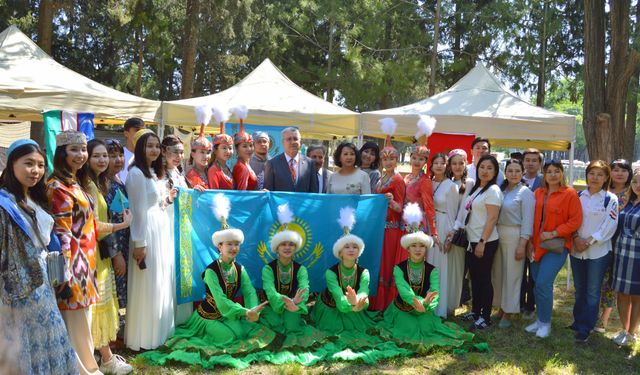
(591, 251)
(446, 201)
(349, 179)
(480, 215)
(515, 226)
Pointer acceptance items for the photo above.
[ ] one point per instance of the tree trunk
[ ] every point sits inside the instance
(45, 25)
(629, 138)
(594, 77)
(140, 61)
(622, 65)
(542, 80)
(329, 61)
(189, 48)
(434, 51)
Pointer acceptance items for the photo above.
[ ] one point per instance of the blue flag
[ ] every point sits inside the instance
(255, 213)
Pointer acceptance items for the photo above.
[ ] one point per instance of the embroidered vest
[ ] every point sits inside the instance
(420, 289)
(289, 289)
(208, 309)
(326, 295)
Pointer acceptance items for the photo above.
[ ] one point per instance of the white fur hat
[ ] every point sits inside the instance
(347, 220)
(346, 239)
(221, 208)
(285, 216)
(284, 236)
(412, 215)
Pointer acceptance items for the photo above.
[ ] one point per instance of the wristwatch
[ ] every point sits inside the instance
(593, 241)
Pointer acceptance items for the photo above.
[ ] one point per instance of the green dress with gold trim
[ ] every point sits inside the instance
(217, 332)
(278, 281)
(333, 314)
(408, 327)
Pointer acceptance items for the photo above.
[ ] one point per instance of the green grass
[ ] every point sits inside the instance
(513, 351)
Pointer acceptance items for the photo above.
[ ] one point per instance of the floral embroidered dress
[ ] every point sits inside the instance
(392, 253)
(33, 330)
(218, 328)
(75, 226)
(244, 177)
(408, 327)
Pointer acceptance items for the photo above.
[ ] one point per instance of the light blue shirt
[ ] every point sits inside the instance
(518, 208)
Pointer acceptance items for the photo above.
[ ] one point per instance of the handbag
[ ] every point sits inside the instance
(553, 245)
(460, 236)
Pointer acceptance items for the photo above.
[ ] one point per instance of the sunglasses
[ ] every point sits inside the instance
(552, 162)
(620, 161)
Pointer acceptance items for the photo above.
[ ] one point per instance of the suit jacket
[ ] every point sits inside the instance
(277, 176)
(325, 179)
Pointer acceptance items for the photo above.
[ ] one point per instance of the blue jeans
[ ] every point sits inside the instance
(544, 274)
(588, 275)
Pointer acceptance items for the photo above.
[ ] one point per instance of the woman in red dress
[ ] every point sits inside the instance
(392, 185)
(420, 191)
(243, 176)
(219, 175)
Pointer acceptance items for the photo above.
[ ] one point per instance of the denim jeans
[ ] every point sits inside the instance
(588, 275)
(544, 274)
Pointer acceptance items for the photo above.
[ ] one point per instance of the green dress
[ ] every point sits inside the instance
(279, 281)
(217, 332)
(333, 314)
(408, 327)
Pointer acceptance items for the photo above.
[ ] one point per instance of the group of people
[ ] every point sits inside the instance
(106, 208)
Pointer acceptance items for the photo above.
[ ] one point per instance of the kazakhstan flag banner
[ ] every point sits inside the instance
(255, 213)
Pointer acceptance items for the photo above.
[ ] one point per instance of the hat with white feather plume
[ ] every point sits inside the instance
(241, 111)
(388, 127)
(221, 209)
(412, 216)
(425, 124)
(347, 220)
(221, 115)
(285, 216)
(203, 116)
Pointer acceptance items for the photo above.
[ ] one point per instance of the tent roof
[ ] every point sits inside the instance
(272, 99)
(32, 82)
(479, 104)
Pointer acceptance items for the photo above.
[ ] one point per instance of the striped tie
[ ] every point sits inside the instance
(293, 169)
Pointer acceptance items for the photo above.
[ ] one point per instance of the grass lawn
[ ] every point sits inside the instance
(513, 351)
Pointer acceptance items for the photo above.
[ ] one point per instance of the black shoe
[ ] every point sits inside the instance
(581, 337)
(469, 317)
(480, 324)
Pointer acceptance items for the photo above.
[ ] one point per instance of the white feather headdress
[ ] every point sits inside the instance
(285, 217)
(412, 215)
(221, 209)
(347, 220)
(203, 114)
(426, 125)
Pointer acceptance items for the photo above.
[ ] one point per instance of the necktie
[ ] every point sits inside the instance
(293, 169)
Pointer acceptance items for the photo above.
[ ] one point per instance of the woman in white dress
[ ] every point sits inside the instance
(446, 202)
(150, 314)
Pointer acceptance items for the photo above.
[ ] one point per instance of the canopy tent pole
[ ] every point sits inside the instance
(161, 125)
(571, 157)
(360, 133)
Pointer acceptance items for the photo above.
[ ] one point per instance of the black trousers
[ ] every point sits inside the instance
(527, 300)
(480, 272)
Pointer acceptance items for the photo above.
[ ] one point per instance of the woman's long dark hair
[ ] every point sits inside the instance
(505, 183)
(493, 181)
(373, 146)
(140, 157)
(86, 174)
(171, 140)
(61, 169)
(9, 182)
(446, 162)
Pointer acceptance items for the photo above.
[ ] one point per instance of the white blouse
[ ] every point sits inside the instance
(598, 222)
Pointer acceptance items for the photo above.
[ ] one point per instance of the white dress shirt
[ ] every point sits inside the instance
(598, 222)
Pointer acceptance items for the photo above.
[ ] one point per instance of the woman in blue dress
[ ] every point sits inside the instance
(33, 327)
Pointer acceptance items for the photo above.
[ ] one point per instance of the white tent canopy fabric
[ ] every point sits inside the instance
(272, 99)
(31, 82)
(479, 104)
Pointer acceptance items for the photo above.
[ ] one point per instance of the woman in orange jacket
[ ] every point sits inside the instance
(558, 215)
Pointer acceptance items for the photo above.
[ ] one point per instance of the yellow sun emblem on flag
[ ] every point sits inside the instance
(306, 255)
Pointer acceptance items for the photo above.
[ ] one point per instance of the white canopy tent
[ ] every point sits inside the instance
(273, 100)
(32, 82)
(479, 104)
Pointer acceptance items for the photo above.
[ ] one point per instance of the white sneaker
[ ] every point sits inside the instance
(544, 330)
(627, 340)
(116, 365)
(533, 327)
(619, 337)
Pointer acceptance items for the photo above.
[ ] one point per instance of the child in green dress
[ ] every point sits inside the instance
(410, 320)
(286, 286)
(220, 327)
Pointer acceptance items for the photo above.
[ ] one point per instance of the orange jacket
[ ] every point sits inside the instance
(563, 213)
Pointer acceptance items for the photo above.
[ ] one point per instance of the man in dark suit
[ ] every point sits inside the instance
(291, 171)
(317, 153)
